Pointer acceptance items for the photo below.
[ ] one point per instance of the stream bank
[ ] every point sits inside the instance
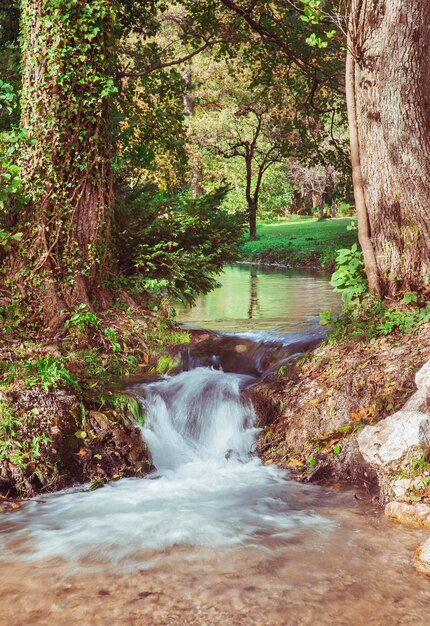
(65, 417)
(314, 410)
(357, 412)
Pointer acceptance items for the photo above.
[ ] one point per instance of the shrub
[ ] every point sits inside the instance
(173, 244)
(349, 277)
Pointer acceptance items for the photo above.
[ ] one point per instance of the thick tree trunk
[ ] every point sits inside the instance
(66, 162)
(392, 99)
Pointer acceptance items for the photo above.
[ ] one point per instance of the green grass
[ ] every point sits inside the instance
(300, 242)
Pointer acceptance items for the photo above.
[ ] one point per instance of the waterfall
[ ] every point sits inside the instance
(208, 488)
(198, 416)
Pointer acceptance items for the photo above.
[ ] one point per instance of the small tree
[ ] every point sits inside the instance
(238, 120)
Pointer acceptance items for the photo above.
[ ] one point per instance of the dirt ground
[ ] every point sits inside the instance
(312, 413)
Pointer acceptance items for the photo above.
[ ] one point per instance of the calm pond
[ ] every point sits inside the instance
(213, 537)
(253, 298)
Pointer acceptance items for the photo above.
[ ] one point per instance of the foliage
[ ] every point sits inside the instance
(371, 318)
(7, 239)
(175, 245)
(82, 317)
(12, 197)
(49, 372)
(349, 277)
(20, 451)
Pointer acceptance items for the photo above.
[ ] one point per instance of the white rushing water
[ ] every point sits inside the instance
(208, 489)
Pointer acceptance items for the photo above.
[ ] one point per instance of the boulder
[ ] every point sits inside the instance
(411, 515)
(392, 441)
(422, 558)
(400, 488)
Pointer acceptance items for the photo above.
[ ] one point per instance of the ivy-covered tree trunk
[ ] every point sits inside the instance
(68, 84)
(391, 51)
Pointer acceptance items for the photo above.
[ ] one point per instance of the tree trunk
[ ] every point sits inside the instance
(296, 201)
(251, 199)
(357, 176)
(392, 99)
(66, 161)
(317, 202)
(333, 207)
(322, 206)
(252, 220)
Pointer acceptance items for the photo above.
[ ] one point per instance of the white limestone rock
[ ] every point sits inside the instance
(422, 377)
(422, 558)
(415, 515)
(400, 487)
(388, 443)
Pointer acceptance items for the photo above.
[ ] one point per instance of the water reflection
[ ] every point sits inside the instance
(254, 310)
(257, 298)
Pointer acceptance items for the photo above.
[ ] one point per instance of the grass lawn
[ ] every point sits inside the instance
(300, 242)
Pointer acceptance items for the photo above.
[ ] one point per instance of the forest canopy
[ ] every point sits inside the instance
(110, 109)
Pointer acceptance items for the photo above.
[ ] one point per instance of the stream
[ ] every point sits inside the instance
(213, 536)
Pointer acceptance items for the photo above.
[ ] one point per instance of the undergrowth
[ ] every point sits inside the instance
(365, 316)
(371, 318)
(90, 350)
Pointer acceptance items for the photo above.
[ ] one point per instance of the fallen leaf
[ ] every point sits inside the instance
(359, 415)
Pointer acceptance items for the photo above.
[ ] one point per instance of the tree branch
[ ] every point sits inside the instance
(270, 36)
(179, 61)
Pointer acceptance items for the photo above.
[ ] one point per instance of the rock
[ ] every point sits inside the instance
(386, 444)
(400, 487)
(422, 558)
(391, 441)
(422, 377)
(412, 515)
(100, 419)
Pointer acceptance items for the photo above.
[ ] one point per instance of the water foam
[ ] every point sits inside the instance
(208, 490)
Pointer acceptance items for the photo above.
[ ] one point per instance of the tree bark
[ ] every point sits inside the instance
(322, 206)
(66, 159)
(364, 236)
(333, 208)
(251, 198)
(252, 220)
(392, 99)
